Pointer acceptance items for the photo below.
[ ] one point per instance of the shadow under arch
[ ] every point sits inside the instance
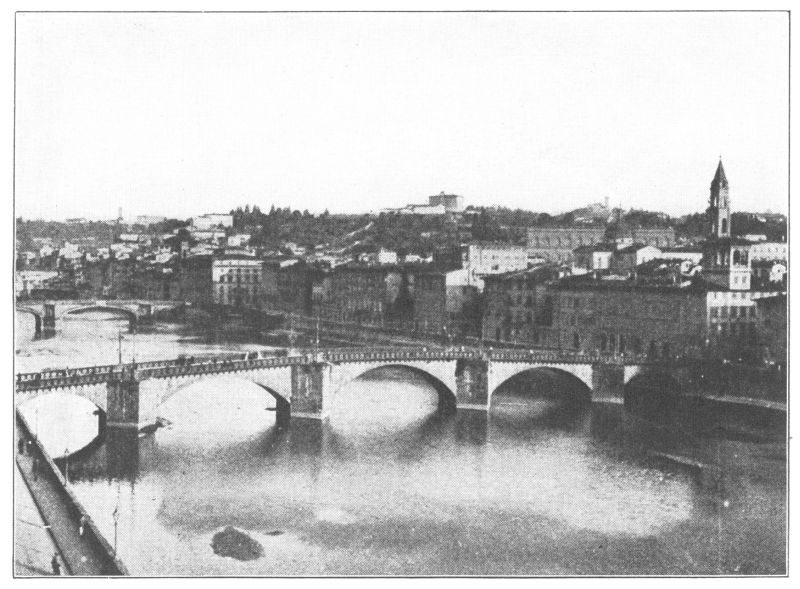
(540, 396)
(563, 384)
(446, 397)
(282, 404)
(653, 395)
(109, 310)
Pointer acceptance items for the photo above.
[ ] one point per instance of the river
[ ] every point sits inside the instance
(391, 487)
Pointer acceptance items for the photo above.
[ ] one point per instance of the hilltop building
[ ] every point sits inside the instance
(438, 204)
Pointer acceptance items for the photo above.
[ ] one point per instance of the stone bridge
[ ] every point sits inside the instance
(305, 384)
(46, 313)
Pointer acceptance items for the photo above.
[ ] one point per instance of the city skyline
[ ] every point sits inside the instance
(356, 113)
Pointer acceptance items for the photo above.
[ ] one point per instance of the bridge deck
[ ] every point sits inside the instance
(52, 379)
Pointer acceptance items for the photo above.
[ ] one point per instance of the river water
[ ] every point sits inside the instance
(390, 487)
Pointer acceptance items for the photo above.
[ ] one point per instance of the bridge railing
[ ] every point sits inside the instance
(254, 360)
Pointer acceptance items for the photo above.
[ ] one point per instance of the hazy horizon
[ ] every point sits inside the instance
(181, 114)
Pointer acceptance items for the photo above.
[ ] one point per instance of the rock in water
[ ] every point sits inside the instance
(232, 543)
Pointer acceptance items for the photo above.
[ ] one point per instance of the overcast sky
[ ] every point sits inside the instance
(179, 114)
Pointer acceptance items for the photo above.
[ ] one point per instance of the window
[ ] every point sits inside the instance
(603, 342)
(576, 340)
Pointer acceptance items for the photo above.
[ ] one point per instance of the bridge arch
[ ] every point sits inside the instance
(37, 318)
(652, 394)
(282, 403)
(577, 387)
(69, 395)
(578, 374)
(446, 395)
(127, 313)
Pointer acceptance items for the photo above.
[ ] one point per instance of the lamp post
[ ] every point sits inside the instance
(119, 345)
(115, 515)
(291, 331)
(66, 465)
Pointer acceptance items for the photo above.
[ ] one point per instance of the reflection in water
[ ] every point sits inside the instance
(391, 486)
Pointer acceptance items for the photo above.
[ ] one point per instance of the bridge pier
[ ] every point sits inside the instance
(144, 313)
(37, 322)
(122, 401)
(48, 321)
(608, 383)
(309, 384)
(122, 453)
(472, 385)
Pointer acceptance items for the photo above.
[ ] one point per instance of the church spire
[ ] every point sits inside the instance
(719, 181)
(719, 210)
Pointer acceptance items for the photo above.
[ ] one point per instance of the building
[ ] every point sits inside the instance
(438, 204)
(718, 213)
(481, 259)
(212, 221)
(769, 275)
(625, 260)
(194, 281)
(667, 307)
(208, 236)
(519, 306)
(769, 250)
(238, 240)
(382, 256)
(452, 203)
(613, 315)
(363, 293)
(772, 328)
(288, 284)
(27, 280)
(692, 254)
(238, 281)
(557, 244)
(726, 260)
(148, 220)
(424, 297)
(446, 301)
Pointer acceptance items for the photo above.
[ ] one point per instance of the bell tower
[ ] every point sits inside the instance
(719, 207)
(726, 261)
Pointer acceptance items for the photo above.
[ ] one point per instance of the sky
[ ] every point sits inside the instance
(183, 114)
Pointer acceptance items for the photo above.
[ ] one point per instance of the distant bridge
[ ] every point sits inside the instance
(46, 313)
(304, 384)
